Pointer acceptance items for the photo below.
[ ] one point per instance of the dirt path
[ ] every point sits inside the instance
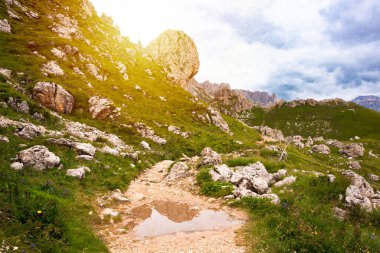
(174, 208)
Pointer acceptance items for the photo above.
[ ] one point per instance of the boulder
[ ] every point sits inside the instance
(177, 52)
(374, 177)
(360, 193)
(52, 68)
(19, 106)
(145, 145)
(54, 97)
(17, 166)
(217, 119)
(30, 131)
(149, 133)
(270, 134)
(334, 143)
(331, 178)
(84, 149)
(100, 108)
(285, 181)
(321, 148)
(309, 142)
(78, 172)
(179, 170)
(4, 139)
(210, 157)
(354, 165)
(221, 173)
(352, 150)
(6, 73)
(5, 26)
(38, 157)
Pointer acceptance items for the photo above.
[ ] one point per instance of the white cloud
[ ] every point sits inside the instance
(256, 45)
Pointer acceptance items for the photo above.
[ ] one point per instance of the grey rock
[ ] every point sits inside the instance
(149, 133)
(4, 139)
(285, 181)
(39, 158)
(145, 145)
(179, 170)
(20, 106)
(210, 157)
(100, 108)
(17, 166)
(221, 173)
(270, 134)
(339, 213)
(334, 143)
(5, 26)
(30, 131)
(352, 150)
(374, 177)
(354, 165)
(6, 73)
(321, 148)
(331, 178)
(79, 172)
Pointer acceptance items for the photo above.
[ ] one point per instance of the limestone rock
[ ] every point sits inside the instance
(352, 150)
(30, 131)
(177, 131)
(178, 53)
(64, 26)
(38, 157)
(20, 106)
(145, 145)
(210, 157)
(179, 170)
(360, 193)
(270, 134)
(321, 148)
(374, 177)
(54, 97)
(149, 133)
(100, 108)
(17, 166)
(94, 71)
(334, 143)
(218, 120)
(354, 165)
(6, 73)
(285, 181)
(78, 172)
(5, 26)
(331, 178)
(221, 173)
(4, 139)
(52, 68)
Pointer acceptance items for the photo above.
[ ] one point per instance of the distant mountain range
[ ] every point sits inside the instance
(371, 102)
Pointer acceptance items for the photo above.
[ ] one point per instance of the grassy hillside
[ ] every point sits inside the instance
(48, 211)
(340, 121)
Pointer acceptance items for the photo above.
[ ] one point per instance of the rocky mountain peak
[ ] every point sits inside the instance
(178, 53)
(371, 102)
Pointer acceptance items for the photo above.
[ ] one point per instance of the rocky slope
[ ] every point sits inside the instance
(371, 102)
(83, 111)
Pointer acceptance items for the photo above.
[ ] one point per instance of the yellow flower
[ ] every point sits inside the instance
(39, 211)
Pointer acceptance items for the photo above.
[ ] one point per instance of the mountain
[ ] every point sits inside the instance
(371, 102)
(331, 118)
(262, 98)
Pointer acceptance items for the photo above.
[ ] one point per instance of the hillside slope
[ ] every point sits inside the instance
(331, 119)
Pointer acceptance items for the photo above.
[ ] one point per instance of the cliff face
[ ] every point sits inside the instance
(371, 102)
(262, 98)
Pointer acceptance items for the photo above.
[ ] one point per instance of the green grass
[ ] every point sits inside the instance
(210, 188)
(342, 121)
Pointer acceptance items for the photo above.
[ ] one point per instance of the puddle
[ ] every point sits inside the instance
(162, 218)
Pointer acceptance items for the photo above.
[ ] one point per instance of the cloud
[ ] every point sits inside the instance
(352, 21)
(296, 48)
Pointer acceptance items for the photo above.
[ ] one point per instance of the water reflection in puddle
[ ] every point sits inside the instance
(161, 218)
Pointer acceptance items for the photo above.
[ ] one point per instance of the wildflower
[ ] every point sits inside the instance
(39, 212)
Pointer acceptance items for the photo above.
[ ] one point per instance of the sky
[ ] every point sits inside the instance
(295, 48)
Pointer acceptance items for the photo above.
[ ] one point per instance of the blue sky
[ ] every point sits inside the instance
(295, 48)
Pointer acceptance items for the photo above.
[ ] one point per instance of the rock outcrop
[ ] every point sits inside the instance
(321, 148)
(100, 108)
(252, 180)
(179, 170)
(149, 133)
(52, 68)
(270, 134)
(178, 53)
(5, 26)
(38, 158)
(352, 150)
(371, 102)
(54, 97)
(360, 192)
(210, 157)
